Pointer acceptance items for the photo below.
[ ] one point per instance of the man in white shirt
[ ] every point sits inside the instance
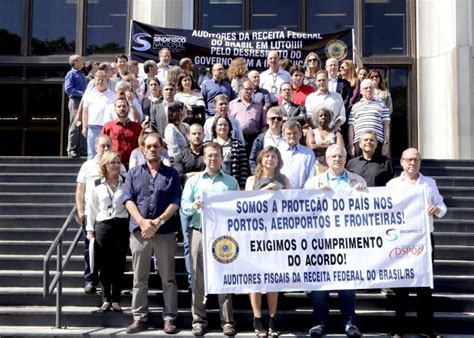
(327, 99)
(274, 76)
(411, 176)
(94, 114)
(164, 65)
(336, 84)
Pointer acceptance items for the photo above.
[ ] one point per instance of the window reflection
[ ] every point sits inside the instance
(385, 27)
(106, 26)
(11, 21)
(54, 27)
(221, 15)
(275, 14)
(329, 16)
(398, 84)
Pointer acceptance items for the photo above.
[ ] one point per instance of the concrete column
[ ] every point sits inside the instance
(445, 67)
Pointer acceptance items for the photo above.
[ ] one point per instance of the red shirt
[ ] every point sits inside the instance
(299, 95)
(124, 137)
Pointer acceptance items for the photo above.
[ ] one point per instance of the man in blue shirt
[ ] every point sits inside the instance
(212, 179)
(75, 84)
(152, 196)
(214, 87)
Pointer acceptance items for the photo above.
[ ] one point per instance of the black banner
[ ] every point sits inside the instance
(208, 48)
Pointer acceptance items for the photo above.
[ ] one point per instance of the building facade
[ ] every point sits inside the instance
(427, 65)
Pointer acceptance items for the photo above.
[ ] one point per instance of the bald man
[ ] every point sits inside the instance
(214, 87)
(274, 76)
(411, 176)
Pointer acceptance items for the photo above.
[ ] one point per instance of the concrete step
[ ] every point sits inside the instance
(35, 197)
(34, 187)
(35, 262)
(460, 213)
(36, 208)
(448, 170)
(74, 279)
(454, 252)
(461, 283)
(35, 234)
(38, 177)
(56, 168)
(453, 267)
(31, 247)
(456, 191)
(33, 222)
(443, 163)
(18, 296)
(459, 201)
(453, 225)
(454, 181)
(40, 160)
(454, 238)
(293, 323)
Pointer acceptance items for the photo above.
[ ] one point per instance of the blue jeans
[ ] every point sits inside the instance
(321, 306)
(186, 236)
(92, 132)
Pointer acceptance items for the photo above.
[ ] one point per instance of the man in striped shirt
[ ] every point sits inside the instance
(369, 113)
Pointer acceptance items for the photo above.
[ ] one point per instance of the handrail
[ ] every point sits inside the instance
(61, 263)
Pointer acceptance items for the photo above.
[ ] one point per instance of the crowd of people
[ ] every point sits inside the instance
(154, 143)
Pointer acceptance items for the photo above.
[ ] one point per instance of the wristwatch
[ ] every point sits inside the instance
(386, 142)
(160, 221)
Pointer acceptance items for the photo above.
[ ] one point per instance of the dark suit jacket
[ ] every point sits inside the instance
(344, 88)
(296, 112)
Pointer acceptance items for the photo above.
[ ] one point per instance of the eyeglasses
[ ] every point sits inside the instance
(413, 159)
(247, 88)
(169, 89)
(276, 118)
(312, 60)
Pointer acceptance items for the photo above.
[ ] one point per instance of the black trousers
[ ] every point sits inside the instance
(424, 303)
(111, 245)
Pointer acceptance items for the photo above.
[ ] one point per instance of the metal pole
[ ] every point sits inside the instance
(59, 288)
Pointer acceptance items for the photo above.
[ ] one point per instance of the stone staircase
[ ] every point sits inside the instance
(37, 194)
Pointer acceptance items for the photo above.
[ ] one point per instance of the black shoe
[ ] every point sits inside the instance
(228, 330)
(352, 330)
(273, 327)
(317, 331)
(198, 330)
(90, 288)
(258, 327)
(430, 333)
(104, 308)
(137, 326)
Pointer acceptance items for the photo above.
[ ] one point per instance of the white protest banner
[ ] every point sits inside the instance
(294, 240)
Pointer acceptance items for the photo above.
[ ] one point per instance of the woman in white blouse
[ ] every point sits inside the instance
(192, 100)
(176, 131)
(107, 222)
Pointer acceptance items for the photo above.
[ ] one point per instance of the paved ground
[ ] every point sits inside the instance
(32, 331)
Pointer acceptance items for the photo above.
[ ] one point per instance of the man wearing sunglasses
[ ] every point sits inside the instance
(271, 137)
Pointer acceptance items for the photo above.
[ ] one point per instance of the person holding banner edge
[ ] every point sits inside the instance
(212, 179)
(267, 177)
(411, 161)
(335, 178)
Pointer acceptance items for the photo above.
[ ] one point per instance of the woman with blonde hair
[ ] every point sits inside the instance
(107, 222)
(267, 177)
(312, 64)
(236, 73)
(173, 74)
